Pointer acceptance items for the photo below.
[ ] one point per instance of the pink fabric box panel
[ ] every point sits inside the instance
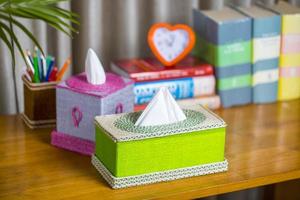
(72, 143)
(78, 102)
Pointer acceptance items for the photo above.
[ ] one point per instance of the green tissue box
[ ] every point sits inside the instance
(128, 155)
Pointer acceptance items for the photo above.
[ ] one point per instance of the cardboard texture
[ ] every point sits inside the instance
(224, 40)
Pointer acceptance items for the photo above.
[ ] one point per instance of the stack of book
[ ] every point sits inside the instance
(224, 40)
(191, 81)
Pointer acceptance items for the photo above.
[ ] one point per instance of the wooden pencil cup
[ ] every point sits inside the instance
(39, 104)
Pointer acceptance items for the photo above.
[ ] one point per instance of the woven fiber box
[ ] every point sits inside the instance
(128, 155)
(289, 63)
(78, 102)
(266, 30)
(39, 104)
(224, 40)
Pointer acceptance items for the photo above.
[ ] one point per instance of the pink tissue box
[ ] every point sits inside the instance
(78, 102)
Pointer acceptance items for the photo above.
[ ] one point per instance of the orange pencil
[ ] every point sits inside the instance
(61, 72)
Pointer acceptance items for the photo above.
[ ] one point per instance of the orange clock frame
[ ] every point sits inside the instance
(185, 52)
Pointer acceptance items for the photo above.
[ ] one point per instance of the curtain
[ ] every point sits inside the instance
(113, 28)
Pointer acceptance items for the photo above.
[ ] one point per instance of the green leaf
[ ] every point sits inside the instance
(15, 12)
(43, 10)
(26, 31)
(62, 14)
(72, 14)
(51, 15)
(3, 36)
(47, 18)
(15, 39)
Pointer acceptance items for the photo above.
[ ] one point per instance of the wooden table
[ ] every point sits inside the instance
(262, 147)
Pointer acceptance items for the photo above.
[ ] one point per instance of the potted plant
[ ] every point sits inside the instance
(45, 10)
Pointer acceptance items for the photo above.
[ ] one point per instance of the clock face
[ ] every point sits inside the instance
(170, 44)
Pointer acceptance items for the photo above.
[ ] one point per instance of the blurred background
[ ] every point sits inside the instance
(113, 28)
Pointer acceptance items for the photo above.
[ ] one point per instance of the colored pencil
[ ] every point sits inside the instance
(53, 74)
(28, 61)
(40, 64)
(50, 60)
(62, 71)
(36, 69)
(44, 66)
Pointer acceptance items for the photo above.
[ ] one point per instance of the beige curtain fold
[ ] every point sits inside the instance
(118, 28)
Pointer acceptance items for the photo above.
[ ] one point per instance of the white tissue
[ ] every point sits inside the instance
(162, 109)
(94, 69)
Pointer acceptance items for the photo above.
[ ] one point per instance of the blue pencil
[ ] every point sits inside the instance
(51, 63)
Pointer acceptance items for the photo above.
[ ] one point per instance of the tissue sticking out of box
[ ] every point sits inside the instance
(161, 110)
(94, 69)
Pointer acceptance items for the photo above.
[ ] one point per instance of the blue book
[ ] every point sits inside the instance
(266, 30)
(224, 40)
(180, 88)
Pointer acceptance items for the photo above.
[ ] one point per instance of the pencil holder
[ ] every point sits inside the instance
(39, 104)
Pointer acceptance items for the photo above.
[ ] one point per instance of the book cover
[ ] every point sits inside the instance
(266, 35)
(211, 102)
(180, 88)
(289, 62)
(224, 40)
(150, 69)
(223, 36)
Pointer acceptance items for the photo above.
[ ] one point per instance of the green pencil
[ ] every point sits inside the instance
(36, 78)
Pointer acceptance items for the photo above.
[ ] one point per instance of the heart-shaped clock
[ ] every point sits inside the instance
(170, 44)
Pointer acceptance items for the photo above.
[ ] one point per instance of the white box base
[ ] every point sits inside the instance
(155, 177)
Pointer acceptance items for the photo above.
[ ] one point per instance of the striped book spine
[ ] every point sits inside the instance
(226, 44)
(289, 80)
(266, 28)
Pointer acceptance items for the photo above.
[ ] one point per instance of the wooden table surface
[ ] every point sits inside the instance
(262, 147)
